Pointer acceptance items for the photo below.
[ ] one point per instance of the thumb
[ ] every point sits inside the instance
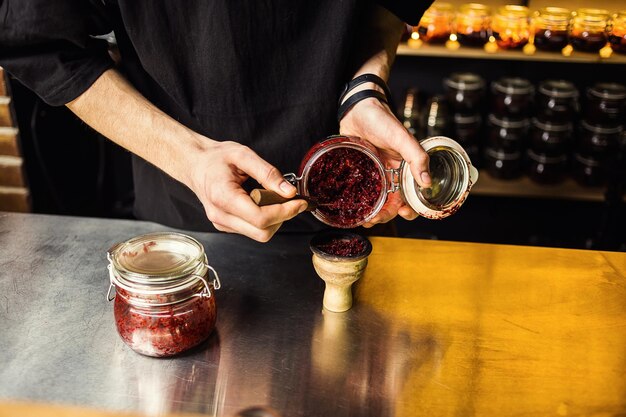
(265, 173)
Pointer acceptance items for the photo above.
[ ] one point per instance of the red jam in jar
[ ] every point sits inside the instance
(588, 32)
(350, 183)
(551, 25)
(164, 301)
(346, 181)
(617, 33)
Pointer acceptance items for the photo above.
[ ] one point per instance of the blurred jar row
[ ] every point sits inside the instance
(516, 98)
(526, 130)
(512, 26)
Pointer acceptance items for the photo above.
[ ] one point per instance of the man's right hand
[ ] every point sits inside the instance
(219, 171)
(213, 170)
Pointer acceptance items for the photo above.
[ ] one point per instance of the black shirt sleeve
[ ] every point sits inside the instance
(408, 11)
(48, 46)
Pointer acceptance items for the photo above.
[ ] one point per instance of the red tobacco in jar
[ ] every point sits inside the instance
(347, 179)
(164, 302)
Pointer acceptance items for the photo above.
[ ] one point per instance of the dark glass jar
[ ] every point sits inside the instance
(557, 101)
(435, 25)
(598, 139)
(549, 137)
(512, 97)
(465, 92)
(606, 103)
(436, 117)
(502, 164)
(506, 133)
(589, 170)
(617, 32)
(473, 24)
(411, 113)
(511, 26)
(466, 129)
(588, 31)
(551, 26)
(546, 169)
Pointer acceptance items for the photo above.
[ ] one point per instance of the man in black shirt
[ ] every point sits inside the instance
(209, 93)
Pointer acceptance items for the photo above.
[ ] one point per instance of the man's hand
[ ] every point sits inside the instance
(219, 172)
(373, 121)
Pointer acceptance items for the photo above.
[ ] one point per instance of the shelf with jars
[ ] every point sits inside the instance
(512, 32)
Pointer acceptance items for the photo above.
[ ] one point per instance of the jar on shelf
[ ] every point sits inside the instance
(466, 128)
(598, 139)
(473, 24)
(546, 169)
(511, 26)
(551, 28)
(164, 297)
(411, 112)
(512, 97)
(606, 104)
(557, 101)
(506, 133)
(589, 170)
(588, 31)
(501, 164)
(617, 32)
(551, 138)
(435, 120)
(349, 182)
(435, 25)
(465, 92)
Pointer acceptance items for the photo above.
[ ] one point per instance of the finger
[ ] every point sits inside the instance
(232, 224)
(407, 213)
(265, 173)
(415, 156)
(240, 205)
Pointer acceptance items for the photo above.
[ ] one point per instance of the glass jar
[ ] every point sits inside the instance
(464, 91)
(598, 139)
(435, 119)
(546, 169)
(606, 103)
(511, 26)
(589, 170)
(617, 32)
(164, 302)
(436, 23)
(501, 164)
(512, 97)
(411, 112)
(506, 133)
(349, 182)
(550, 137)
(551, 27)
(473, 24)
(466, 129)
(557, 101)
(588, 32)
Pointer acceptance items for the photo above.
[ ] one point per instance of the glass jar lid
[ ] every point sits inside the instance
(587, 160)
(452, 176)
(160, 264)
(475, 9)
(502, 154)
(558, 89)
(464, 81)
(601, 129)
(552, 126)
(512, 85)
(608, 91)
(467, 119)
(546, 159)
(507, 122)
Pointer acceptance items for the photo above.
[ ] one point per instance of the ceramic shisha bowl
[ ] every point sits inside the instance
(339, 258)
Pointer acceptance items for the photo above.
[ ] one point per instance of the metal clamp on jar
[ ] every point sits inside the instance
(164, 301)
(349, 184)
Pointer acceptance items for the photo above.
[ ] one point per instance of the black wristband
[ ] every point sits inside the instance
(362, 79)
(355, 98)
